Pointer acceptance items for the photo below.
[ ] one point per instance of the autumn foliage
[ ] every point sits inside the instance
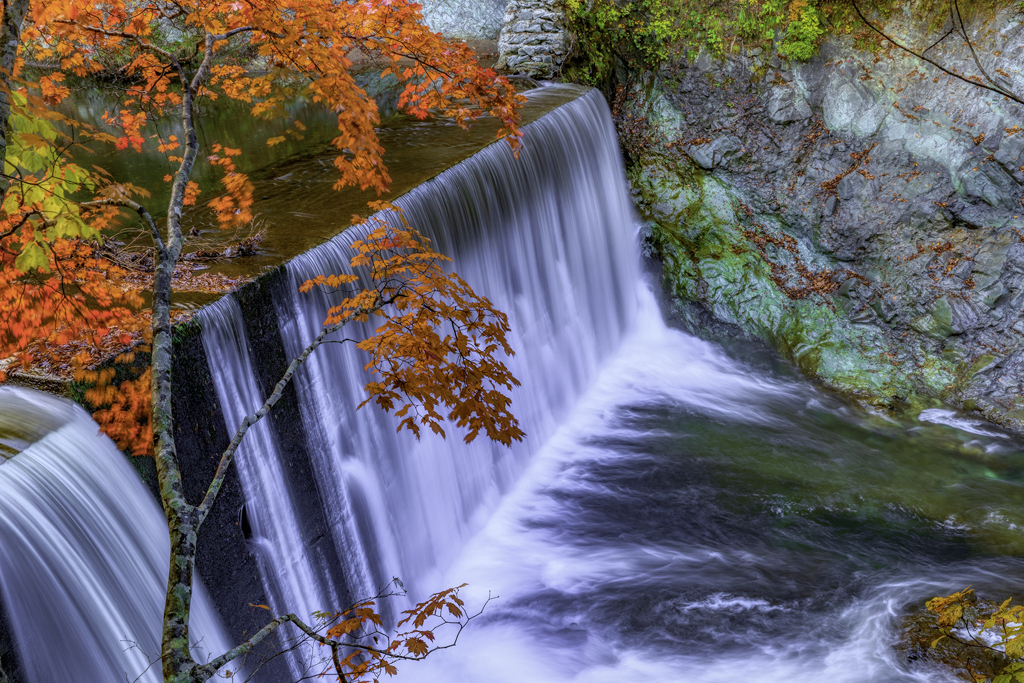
(981, 641)
(67, 304)
(436, 354)
(362, 648)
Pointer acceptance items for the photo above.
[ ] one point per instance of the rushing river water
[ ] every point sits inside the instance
(704, 518)
(682, 511)
(83, 552)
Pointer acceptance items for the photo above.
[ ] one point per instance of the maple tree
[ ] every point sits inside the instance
(436, 353)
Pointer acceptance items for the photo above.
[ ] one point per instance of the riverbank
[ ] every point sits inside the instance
(860, 212)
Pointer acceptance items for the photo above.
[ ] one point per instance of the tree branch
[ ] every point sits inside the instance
(227, 458)
(389, 652)
(10, 39)
(920, 55)
(970, 46)
(138, 208)
(121, 34)
(204, 68)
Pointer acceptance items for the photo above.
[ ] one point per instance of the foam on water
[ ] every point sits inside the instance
(549, 237)
(530, 556)
(951, 418)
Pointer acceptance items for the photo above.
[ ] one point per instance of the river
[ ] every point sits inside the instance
(707, 516)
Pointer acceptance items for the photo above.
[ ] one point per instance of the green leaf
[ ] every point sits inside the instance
(32, 257)
(33, 194)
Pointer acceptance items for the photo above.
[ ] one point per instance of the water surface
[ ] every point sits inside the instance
(706, 517)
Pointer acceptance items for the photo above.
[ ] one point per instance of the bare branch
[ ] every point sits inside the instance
(227, 458)
(945, 35)
(970, 46)
(991, 86)
(138, 208)
(137, 39)
(387, 653)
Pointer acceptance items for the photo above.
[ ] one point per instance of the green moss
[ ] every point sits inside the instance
(645, 34)
(710, 256)
(803, 31)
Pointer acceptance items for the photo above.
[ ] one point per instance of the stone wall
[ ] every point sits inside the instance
(10, 672)
(465, 19)
(533, 39)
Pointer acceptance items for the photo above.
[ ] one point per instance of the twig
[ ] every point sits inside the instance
(920, 55)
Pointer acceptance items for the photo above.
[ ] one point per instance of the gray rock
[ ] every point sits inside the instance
(1014, 262)
(465, 19)
(852, 109)
(1010, 154)
(830, 205)
(992, 295)
(988, 182)
(927, 214)
(715, 153)
(963, 315)
(850, 185)
(785, 105)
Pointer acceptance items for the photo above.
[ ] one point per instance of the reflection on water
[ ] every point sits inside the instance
(703, 519)
(301, 210)
(294, 197)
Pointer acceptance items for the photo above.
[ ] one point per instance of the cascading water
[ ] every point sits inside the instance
(550, 239)
(703, 518)
(83, 551)
(693, 518)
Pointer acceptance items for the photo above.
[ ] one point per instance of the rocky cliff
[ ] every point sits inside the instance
(861, 212)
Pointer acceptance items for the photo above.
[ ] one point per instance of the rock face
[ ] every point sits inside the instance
(465, 19)
(533, 39)
(861, 212)
(10, 671)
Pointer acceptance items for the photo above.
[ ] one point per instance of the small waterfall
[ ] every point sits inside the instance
(550, 239)
(83, 551)
(297, 578)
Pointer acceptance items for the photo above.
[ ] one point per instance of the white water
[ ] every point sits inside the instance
(83, 551)
(617, 556)
(570, 590)
(550, 238)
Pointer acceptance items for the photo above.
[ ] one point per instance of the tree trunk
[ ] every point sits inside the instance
(10, 39)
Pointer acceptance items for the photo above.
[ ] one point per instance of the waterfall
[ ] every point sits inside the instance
(83, 551)
(550, 239)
